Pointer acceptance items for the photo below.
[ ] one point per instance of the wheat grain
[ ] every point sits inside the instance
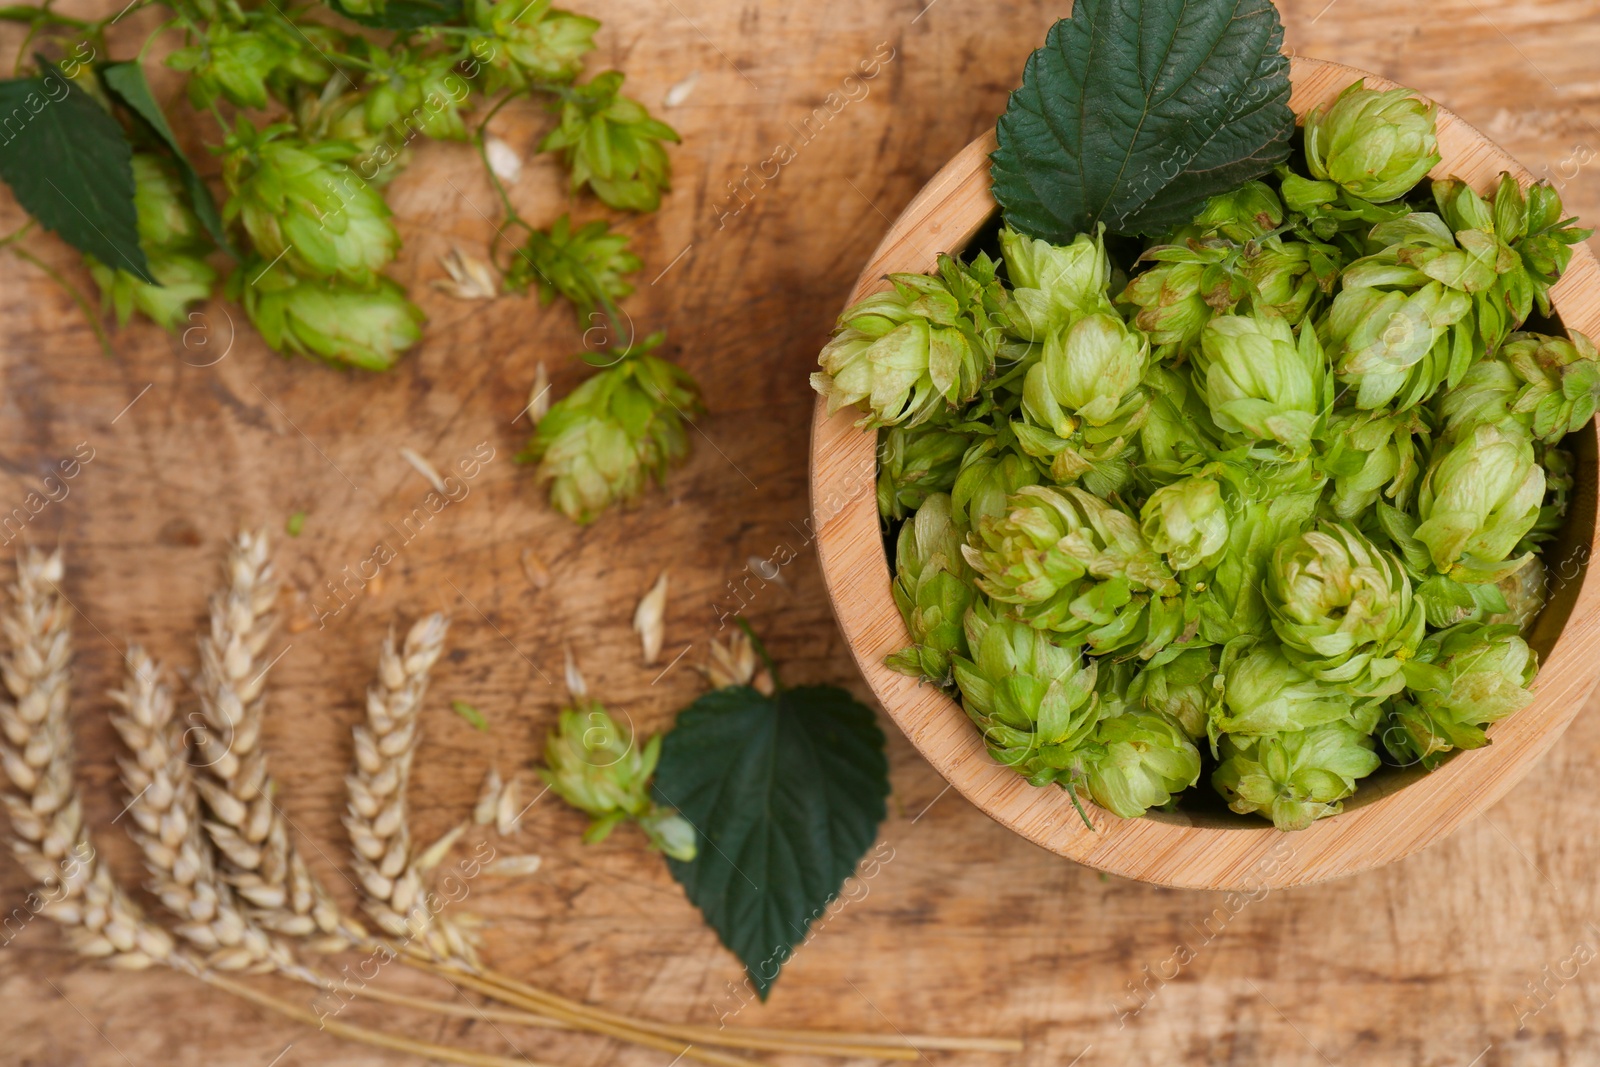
(376, 815)
(261, 861)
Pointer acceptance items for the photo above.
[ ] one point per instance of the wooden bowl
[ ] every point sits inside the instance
(1395, 812)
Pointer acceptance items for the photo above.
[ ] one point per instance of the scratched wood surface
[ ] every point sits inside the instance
(968, 928)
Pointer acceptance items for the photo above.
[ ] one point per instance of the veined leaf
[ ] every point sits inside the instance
(1136, 111)
(786, 793)
(71, 168)
(126, 81)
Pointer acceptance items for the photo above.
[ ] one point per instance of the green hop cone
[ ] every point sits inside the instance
(184, 280)
(1187, 522)
(1260, 381)
(344, 324)
(1283, 278)
(1524, 591)
(1375, 144)
(1033, 700)
(595, 765)
(611, 144)
(1479, 497)
(1267, 505)
(1183, 688)
(1295, 777)
(933, 590)
(531, 41)
(1544, 239)
(301, 202)
(1069, 562)
(916, 349)
(231, 63)
(1087, 374)
(416, 93)
(1371, 456)
(915, 462)
(1466, 678)
(1139, 760)
(1174, 302)
(1548, 385)
(1344, 610)
(1178, 428)
(1241, 215)
(586, 265)
(988, 477)
(174, 245)
(1264, 692)
(600, 444)
(1053, 285)
(1397, 345)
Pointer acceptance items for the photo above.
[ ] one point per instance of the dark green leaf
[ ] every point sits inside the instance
(1136, 111)
(404, 14)
(71, 168)
(126, 81)
(786, 793)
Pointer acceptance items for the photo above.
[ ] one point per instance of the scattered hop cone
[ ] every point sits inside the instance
(1053, 285)
(587, 265)
(1187, 522)
(1263, 692)
(611, 144)
(914, 350)
(933, 590)
(1478, 499)
(596, 766)
(1466, 679)
(1375, 144)
(988, 477)
(1182, 689)
(417, 94)
(1371, 456)
(1344, 610)
(1548, 385)
(1259, 381)
(1296, 777)
(1069, 562)
(1138, 761)
(356, 326)
(301, 202)
(914, 462)
(1033, 700)
(532, 42)
(600, 444)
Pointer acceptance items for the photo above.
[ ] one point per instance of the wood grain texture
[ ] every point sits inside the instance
(969, 928)
(1394, 813)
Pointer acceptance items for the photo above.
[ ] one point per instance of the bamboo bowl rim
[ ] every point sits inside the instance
(1387, 819)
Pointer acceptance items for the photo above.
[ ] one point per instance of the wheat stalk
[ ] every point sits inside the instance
(376, 815)
(246, 826)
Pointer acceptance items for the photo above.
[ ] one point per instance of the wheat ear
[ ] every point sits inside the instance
(376, 815)
(261, 861)
(48, 836)
(165, 810)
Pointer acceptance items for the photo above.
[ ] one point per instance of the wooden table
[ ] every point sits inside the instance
(967, 929)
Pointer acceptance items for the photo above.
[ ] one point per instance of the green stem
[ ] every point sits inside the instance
(761, 651)
(17, 234)
(77, 297)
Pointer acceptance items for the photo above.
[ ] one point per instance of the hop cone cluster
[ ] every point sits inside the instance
(1260, 501)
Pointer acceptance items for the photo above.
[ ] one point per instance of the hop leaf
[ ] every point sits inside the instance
(531, 41)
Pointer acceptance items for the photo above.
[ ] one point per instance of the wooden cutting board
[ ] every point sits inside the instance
(967, 929)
